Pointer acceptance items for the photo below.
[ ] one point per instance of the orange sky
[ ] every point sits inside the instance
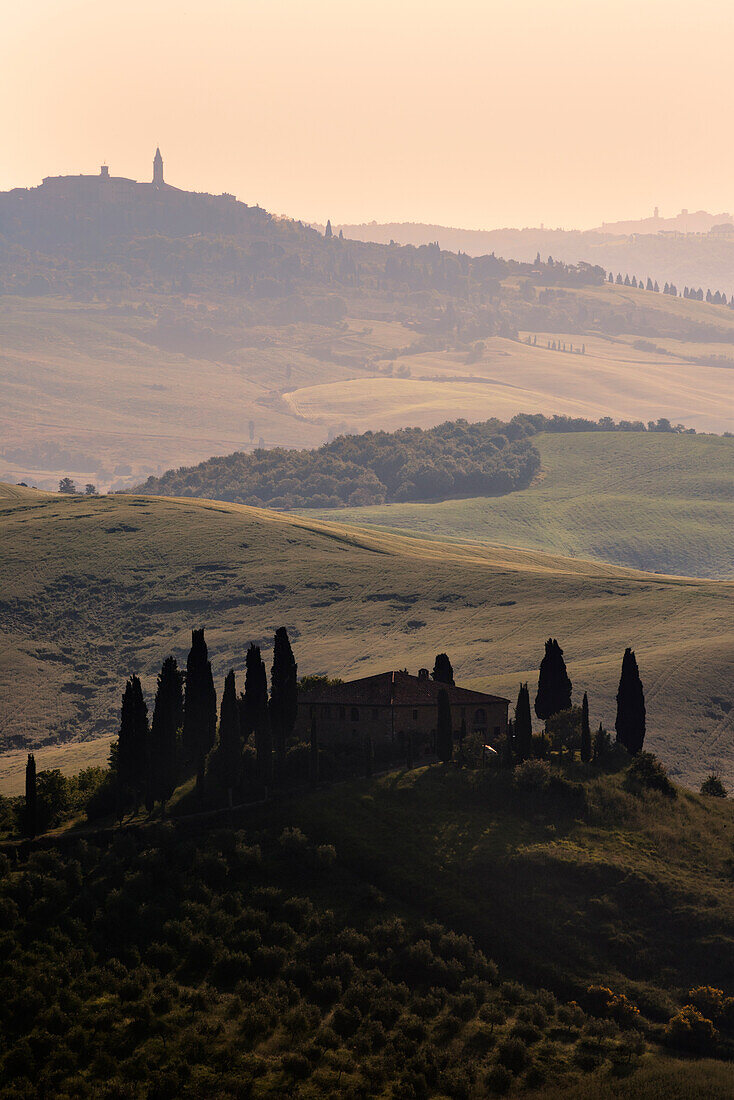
(476, 113)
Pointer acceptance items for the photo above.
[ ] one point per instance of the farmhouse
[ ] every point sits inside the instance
(392, 705)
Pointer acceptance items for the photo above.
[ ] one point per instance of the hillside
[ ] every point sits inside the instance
(116, 583)
(655, 501)
(377, 936)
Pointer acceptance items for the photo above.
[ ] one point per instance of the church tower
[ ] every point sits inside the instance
(158, 168)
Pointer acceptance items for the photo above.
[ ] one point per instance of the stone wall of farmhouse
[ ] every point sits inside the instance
(340, 724)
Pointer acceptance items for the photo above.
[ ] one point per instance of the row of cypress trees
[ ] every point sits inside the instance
(554, 696)
(185, 738)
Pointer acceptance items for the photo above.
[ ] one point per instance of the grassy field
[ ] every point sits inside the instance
(654, 501)
(94, 589)
(612, 378)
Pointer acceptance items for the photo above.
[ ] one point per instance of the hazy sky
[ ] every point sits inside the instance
(477, 113)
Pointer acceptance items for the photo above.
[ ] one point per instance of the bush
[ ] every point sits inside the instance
(498, 1080)
(533, 775)
(690, 1031)
(513, 1055)
(646, 773)
(713, 787)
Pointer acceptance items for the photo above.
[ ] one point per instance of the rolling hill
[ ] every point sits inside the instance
(95, 588)
(655, 501)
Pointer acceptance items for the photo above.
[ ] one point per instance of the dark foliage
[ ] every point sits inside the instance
(554, 686)
(224, 765)
(523, 725)
(585, 731)
(444, 731)
(200, 707)
(443, 673)
(630, 721)
(255, 715)
(283, 696)
(30, 818)
(646, 773)
(132, 743)
(167, 721)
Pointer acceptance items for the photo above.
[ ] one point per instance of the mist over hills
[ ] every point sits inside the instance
(667, 250)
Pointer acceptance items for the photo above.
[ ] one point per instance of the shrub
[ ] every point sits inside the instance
(498, 1080)
(690, 1031)
(647, 773)
(710, 1002)
(513, 1055)
(533, 775)
(713, 787)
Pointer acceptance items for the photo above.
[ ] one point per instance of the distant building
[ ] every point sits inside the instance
(158, 169)
(389, 706)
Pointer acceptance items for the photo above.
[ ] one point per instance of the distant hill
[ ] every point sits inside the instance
(93, 589)
(662, 249)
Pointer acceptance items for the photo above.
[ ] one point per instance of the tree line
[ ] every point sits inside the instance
(454, 459)
(716, 297)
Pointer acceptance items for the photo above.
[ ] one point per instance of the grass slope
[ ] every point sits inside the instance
(654, 501)
(93, 589)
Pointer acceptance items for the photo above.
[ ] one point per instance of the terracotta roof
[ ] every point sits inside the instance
(398, 688)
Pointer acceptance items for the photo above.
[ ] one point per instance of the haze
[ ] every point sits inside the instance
(513, 112)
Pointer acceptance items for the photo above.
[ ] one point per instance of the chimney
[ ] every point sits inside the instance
(104, 172)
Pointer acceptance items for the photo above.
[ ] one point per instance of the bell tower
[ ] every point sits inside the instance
(158, 168)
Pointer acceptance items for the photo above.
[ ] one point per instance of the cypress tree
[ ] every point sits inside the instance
(444, 732)
(200, 707)
(523, 724)
(167, 721)
(283, 697)
(585, 731)
(328, 231)
(254, 712)
(225, 760)
(132, 743)
(554, 686)
(31, 812)
(443, 673)
(630, 722)
(313, 758)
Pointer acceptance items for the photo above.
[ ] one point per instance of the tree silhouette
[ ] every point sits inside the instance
(283, 697)
(523, 724)
(444, 732)
(254, 713)
(443, 673)
(585, 731)
(200, 707)
(67, 485)
(313, 757)
(168, 713)
(132, 743)
(225, 759)
(31, 797)
(328, 232)
(554, 686)
(630, 722)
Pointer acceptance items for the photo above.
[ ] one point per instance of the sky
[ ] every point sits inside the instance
(471, 113)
